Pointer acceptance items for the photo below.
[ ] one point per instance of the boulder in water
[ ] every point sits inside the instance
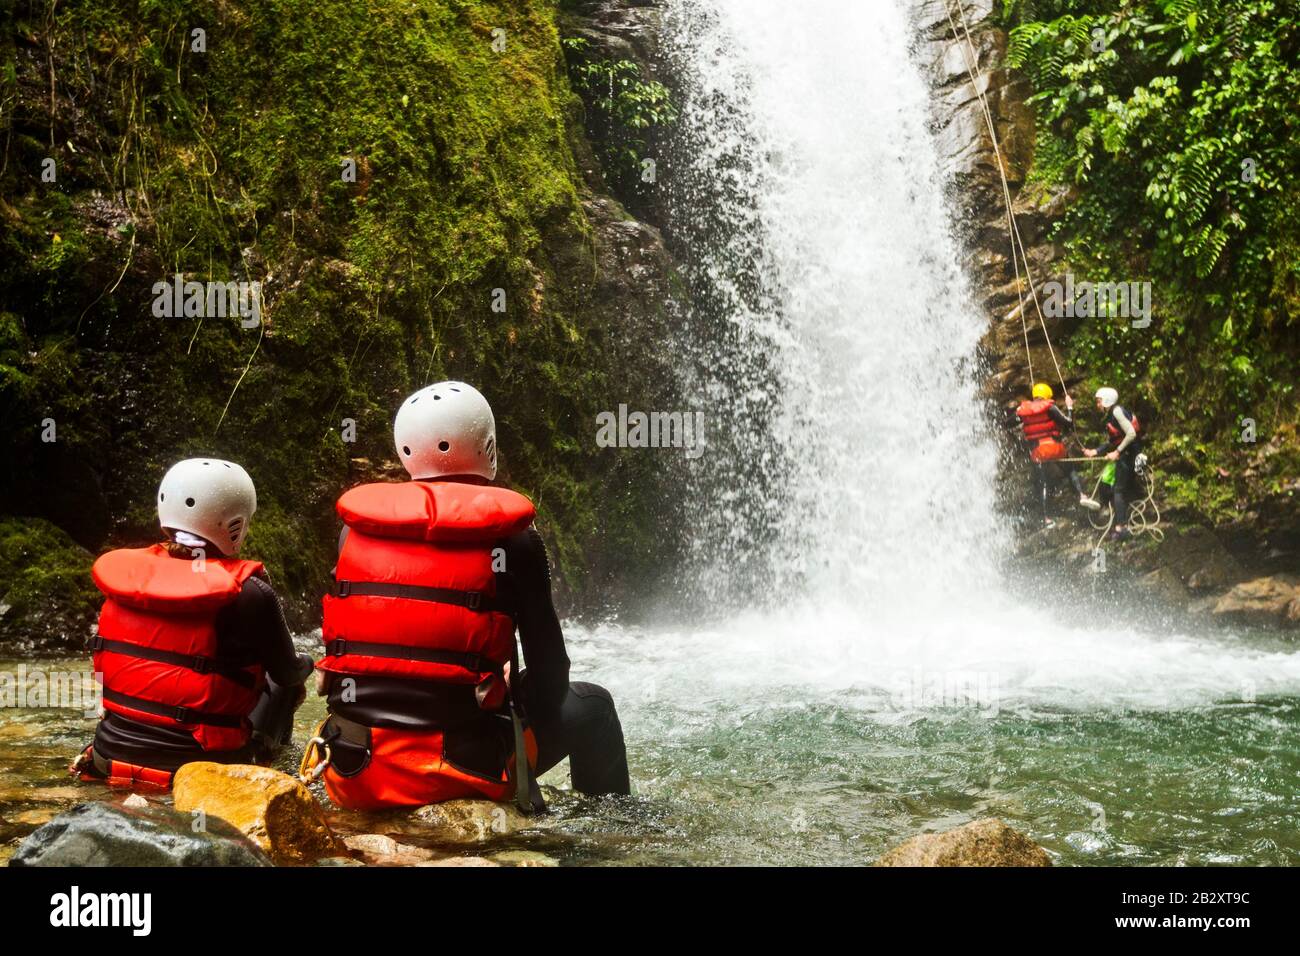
(104, 834)
(380, 850)
(460, 861)
(473, 821)
(271, 808)
(1263, 601)
(986, 842)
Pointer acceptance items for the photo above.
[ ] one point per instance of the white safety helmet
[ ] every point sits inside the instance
(446, 429)
(208, 497)
(1108, 397)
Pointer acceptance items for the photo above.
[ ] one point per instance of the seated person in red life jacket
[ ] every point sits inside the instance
(1123, 444)
(1043, 424)
(426, 699)
(197, 661)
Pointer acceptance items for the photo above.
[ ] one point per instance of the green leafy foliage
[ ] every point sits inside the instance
(1179, 123)
(624, 108)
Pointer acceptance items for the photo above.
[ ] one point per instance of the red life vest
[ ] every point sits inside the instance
(415, 597)
(1036, 419)
(415, 589)
(1115, 432)
(156, 644)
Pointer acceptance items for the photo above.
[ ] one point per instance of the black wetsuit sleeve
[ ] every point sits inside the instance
(544, 685)
(1062, 419)
(252, 630)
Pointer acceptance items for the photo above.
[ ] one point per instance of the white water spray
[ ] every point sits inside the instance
(848, 526)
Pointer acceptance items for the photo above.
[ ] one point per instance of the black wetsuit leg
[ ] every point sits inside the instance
(585, 729)
(272, 718)
(1075, 479)
(1040, 487)
(1125, 484)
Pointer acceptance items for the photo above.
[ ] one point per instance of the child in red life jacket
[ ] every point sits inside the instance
(196, 660)
(1043, 423)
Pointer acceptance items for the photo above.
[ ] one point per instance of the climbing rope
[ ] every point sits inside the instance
(1143, 515)
(1013, 228)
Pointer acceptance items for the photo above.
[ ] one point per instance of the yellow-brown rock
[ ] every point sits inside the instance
(987, 842)
(272, 809)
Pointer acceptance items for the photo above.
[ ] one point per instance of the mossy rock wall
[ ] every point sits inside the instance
(228, 164)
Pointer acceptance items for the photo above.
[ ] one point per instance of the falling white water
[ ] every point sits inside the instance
(847, 534)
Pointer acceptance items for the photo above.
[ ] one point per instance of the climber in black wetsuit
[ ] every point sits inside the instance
(196, 659)
(435, 576)
(577, 720)
(1123, 445)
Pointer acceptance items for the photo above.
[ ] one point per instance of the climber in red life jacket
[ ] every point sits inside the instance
(426, 698)
(1043, 423)
(197, 661)
(1123, 445)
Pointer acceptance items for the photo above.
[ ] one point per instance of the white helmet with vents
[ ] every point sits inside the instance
(446, 429)
(208, 497)
(1108, 396)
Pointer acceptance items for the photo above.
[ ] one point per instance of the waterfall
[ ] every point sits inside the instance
(836, 350)
(845, 528)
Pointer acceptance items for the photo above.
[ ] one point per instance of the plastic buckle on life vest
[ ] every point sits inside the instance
(201, 664)
(342, 588)
(337, 648)
(97, 643)
(473, 599)
(183, 715)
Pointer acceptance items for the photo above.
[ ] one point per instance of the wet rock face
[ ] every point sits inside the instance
(619, 29)
(980, 843)
(104, 834)
(970, 163)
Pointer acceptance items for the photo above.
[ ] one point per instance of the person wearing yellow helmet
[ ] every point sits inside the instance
(1042, 424)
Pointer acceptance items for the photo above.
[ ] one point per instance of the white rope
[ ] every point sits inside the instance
(1139, 521)
(1013, 228)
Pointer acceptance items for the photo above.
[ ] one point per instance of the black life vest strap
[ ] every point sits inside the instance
(476, 663)
(195, 662)
(473, 600)
(182, 715)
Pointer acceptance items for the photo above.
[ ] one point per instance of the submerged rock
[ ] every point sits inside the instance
(103, 834)
(380, 850)
(460, 861)
(987, 842)
(473, 821)
(524, 858)
(272, 809)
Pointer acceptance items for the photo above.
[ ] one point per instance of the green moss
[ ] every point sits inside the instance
(45, 584)
(227, 165)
